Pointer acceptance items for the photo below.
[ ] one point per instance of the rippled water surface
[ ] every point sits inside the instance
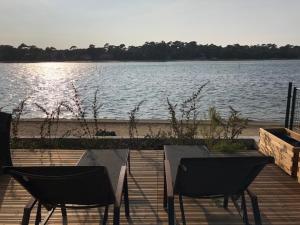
(257, 88)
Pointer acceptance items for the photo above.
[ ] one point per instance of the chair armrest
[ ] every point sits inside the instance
(169, 181)
(120, 187)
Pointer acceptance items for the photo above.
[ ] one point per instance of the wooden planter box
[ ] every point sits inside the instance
(274, 142)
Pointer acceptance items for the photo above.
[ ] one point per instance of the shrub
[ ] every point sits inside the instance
(228, 146)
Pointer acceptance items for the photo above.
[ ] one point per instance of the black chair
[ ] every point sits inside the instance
(71, 187)
(5, 157)
(213, 177)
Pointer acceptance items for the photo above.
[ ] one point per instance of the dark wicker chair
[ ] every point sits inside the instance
(71, 187)
(213, 177)
(5, 157)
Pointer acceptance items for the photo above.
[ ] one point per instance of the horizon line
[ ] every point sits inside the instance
(156, 42)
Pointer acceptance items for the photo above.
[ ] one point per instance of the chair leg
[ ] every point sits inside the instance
(116, 216)
(38, 217)
(126, 198)
(225, 202)
(26, 216)
(255, 207)
(165, 193)
(165, 189)
(64, 215)
(27, 211)
(182, 210)
(105, 215)
(129, 164)
(244, 209)
(46, 219)
(171, 213)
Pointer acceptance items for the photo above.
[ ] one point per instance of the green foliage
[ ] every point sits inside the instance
(226, 146)
(110, 143)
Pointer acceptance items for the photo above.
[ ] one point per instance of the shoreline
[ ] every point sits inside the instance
(32, 127)
(135, 61)
(160, 121)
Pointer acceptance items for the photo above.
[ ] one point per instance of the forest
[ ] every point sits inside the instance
(149, 51)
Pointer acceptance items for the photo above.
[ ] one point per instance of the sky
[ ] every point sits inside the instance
(63, 23)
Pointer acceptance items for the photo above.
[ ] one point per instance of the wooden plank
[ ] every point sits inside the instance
(278, 194)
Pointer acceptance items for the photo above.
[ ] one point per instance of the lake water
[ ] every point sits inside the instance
(256, 88)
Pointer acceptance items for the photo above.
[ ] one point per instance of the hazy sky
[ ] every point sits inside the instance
(62, 23)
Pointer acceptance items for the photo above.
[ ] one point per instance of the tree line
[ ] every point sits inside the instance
(160, 51)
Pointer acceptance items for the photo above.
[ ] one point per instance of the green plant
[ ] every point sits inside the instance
(95, 110)
(213, 130)
(155, 138)
(132, 128)
(16, 116)
(159, 135)
(234, 124)
(79, 111)
(220, 133)
(51, 117)
(187, 123)
(228, 146)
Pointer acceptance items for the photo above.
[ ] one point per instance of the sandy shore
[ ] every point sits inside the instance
(32, 127)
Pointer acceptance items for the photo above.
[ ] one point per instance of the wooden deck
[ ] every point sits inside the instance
(278, 194)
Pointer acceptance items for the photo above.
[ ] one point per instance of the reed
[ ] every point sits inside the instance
(221, 132)
(76, 106)
(51, 118)
(132, 124)
(16, 116)
(96, 106)
(186, 124)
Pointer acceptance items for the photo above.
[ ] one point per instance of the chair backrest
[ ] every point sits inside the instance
(5, 157)
(201, 177)
(56, 185)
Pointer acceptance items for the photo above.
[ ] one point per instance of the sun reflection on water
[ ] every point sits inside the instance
(49, 71)
(50, 84)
